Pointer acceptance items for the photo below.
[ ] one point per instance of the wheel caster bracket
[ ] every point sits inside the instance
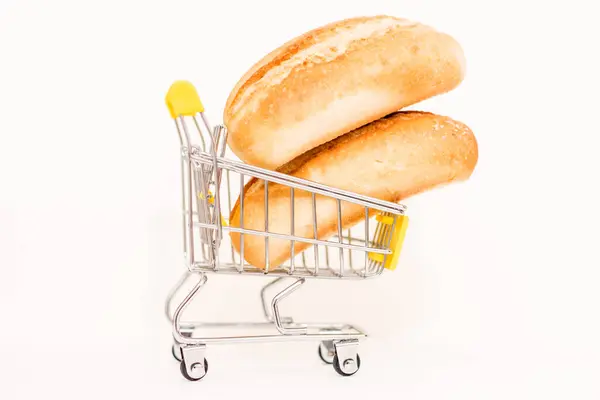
(193, 364)
(346, 360)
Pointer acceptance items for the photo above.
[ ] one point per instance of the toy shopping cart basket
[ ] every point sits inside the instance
(208, 182)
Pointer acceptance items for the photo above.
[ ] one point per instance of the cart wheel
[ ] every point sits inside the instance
(325, 354)
(176, 353)
(193, 378)
(347, 365)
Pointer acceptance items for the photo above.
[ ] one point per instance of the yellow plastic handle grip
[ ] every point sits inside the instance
(396, 241)
(182, 100)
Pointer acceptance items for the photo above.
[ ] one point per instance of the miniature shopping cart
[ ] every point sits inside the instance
(209, 180)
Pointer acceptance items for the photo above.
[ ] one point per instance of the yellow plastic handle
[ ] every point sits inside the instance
(396, 241)
(182, 100)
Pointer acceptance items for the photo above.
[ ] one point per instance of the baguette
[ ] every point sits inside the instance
(395, 157)
(334, 79)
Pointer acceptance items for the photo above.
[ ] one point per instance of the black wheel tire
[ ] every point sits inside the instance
(189, 378)
(176, 354)
(342, 373)
(322, 357)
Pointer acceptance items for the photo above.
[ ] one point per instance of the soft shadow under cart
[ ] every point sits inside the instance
(208, 181)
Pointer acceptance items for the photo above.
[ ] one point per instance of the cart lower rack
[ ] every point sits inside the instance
(209, 183)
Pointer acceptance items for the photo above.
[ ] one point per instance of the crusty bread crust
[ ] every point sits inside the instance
(393, 158)
(335, 79)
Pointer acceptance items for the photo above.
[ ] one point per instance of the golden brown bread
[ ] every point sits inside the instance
(391, 159)
(334, 79)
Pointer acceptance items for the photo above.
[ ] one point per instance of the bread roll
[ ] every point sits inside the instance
(390, 159)
(334, 79)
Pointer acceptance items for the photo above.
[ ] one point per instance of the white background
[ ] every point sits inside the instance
(497, 294)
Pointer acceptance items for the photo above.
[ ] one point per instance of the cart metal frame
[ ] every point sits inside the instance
(207, 182)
